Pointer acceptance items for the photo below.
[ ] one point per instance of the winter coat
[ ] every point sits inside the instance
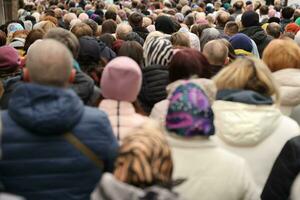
(9, 85)
(289, 82)
(112, 189)
(208, 169)
(122, 116)
(249, 125)
(141, 31)
(160, 109)
(155, 81)
(284, 172)
(259, 36)
(37, 161)
(106, 52)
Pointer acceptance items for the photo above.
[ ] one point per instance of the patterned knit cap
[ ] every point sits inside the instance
(144, 158)
(190, 112)
(157, 51)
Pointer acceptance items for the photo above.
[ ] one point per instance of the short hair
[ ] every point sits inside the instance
(187, 63)
(122, 30)
(264, 10)
(180, 39)
(51, 19)
(231, 28)
(282, 54)
(2, 38)
(45, 26)
(52, 68)
(93, 25)
(108, 39)
(287, 12)
(110, 15)
(109, 26)
(274, 30)
(65, 37)
(222, 18)
(135, 19)
(82, 29)
(132, 49)
(68, 18)
(238, 5)
(32, 37)
(247, 73)
(216, 52)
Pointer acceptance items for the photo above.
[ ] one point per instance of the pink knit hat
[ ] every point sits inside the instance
(121, 79)
(9, 58)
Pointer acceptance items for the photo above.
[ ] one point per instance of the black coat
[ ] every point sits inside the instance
(155, 81)
(141, 31)
(284, 172)
(259, 36)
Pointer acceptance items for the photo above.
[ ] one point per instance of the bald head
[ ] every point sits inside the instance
(49, 62)
(123, 30)
(216, 52)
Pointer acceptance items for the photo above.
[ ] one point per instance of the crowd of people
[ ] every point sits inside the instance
(152, 100)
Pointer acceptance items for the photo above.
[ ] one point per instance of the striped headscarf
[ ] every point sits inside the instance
(144, 159)
(158, 51)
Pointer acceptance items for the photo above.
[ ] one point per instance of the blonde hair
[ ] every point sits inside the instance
(180, 39)
(247, 73)
(282, 54)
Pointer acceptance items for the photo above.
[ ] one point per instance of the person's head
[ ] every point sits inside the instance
(208, 35)
(250, 18)
(68, 18)
(144, 158)
(109, 26)
(133, 36)
(122, 30)
(287, 12)
(187, 63)
(65, 37)
(180, 39)
(189, 113)
(274, 19)
(110, 15)
(216, 52)
(135, 19)
(32, 37)
(231, 28)
(165, 25)
(247, 73)
(292, 28)
(9, 61)
(157, 51)
(93, 25)
(273, 29)
(134, 50)
(82, 29)
(242, 44)
(52, 68)
(264, 10)
(123, 72)
(282, 54)
(222, 18)
(44, 25)
(2, 38)
(108, 39)
(238, 5)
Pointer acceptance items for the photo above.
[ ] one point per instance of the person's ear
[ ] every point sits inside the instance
(227, 61)
(25, 75)
(72, 76)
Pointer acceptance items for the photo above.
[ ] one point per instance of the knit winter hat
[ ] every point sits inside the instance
(9, 58)
(250, 18)
(165, 24)
(89, 51)
(292, 28)
(157, 51)
(121, 79)
(241, 41)
(189, 112)
(298, 21)
(13, 27)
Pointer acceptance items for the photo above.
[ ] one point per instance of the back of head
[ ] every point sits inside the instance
(49, 63)
(282, 54)
(189, 113)
(273, 29)
(109, 26)
(132, 49)
(65, 37)
(82, 29)
(264, 10)
(231, 28)
(250, 18)
(222, 18)
(135, 20)
(165, 25)
(241, 43)
(238, 5)
(111, 15)
(122, 30)
(207, 35)
(144, 159)
(126, 76)
(216, 52)
(287, 12)
(180, 39)
(32, 37)
(247, 73)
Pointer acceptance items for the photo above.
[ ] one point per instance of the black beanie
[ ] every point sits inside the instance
(250, 18)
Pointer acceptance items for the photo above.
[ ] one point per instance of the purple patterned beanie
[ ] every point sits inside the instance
(190, 112)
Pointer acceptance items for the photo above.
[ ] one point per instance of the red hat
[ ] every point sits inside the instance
(9, 58)
(292, 28)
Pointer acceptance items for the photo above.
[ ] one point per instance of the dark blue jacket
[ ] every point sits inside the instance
(37, 162)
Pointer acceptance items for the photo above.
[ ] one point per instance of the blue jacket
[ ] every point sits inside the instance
(37, 162)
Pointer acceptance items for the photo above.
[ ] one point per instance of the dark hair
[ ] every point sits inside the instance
(32, 37)
(82, 29)
(264, 10)
(287, 12)
(108, 39)
(135, 19)
(274, 19)
(71, 4)
(2, 38)
(31, 18)
(132, 49)
(187, 63)
(133, 36)
(238, 5)
(109, 26)
(110, 15)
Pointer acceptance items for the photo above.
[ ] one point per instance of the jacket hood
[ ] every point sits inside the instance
(241, 124)
(45, 110)
(111, 188)
(256, 33)
(289, 82)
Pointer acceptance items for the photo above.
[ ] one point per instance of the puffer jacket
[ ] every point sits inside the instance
(122, 116)
(259, 36)
(155, 81)
(37, 161)
(289, 85)
(284, 172)
(112, 189)
(251, 126)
